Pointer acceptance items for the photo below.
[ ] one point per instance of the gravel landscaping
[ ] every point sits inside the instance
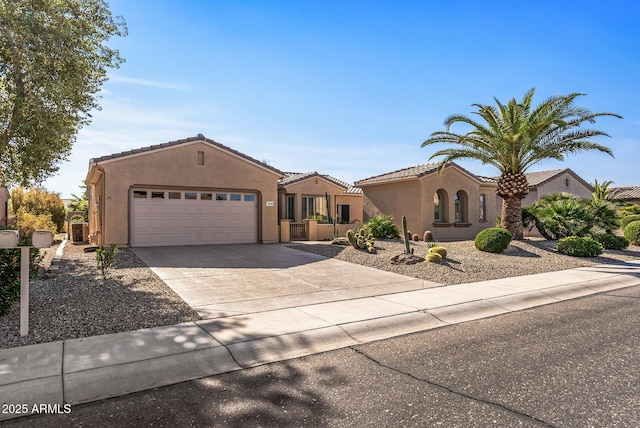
(79, 303)
(465, 264)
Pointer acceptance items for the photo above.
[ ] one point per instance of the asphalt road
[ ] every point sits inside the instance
(570, 364)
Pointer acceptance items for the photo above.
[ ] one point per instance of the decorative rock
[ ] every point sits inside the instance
(406, 259)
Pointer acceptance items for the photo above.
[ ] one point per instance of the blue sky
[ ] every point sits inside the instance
(352, 88)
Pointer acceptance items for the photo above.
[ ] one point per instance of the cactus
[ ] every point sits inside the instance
(405, 238)
(434, 258)
(360, 240)
(428, 236)
(416, 238)
(438, 250)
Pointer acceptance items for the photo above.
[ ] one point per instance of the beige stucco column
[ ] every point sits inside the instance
(285, 231)
(311, 227)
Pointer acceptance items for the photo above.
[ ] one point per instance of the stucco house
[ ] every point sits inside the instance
(185, 192)
(305, 195)
(4, 205)
(453, 204)
(543, 183)
(629, 194)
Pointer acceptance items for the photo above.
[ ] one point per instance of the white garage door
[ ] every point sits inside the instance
(172, 217)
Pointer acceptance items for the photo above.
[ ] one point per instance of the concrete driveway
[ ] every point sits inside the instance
(225, 280)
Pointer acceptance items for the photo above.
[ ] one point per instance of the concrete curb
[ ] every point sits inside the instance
(87, 369)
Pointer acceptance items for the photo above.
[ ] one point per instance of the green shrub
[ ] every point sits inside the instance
(624, 221)
(493, 240)
(105, 258)
(438, 250)
(38, 202)
(579, 246)
(382, 227)
(612, 242)
(10, 268)
(632, 232)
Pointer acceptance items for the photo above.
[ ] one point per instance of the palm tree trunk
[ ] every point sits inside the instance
(512, 216)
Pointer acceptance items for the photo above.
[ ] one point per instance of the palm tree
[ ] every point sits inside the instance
(515, 136)
(601, 190)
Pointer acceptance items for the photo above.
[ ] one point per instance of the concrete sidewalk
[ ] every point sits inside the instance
(82, 370)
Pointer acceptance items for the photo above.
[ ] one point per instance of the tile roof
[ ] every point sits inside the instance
(628, 192)
(294, 177)
(401, 174)
(198, 137)
(540, 177)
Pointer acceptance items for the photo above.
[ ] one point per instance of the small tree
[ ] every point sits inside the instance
(39, 203)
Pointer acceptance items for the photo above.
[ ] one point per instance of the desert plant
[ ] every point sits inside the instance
(632, 232)
(579, 246)
(624, 221)
(416, 238)
(382, 227)
(361, 240)
(405, 236)
(27, 222)
(493, 240)
(434, 258)
(438, 250)
(611, 242)
(105, 258)
(427, 236)
(38, 201)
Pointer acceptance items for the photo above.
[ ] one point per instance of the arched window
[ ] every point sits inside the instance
(460, 206)
(437, 207)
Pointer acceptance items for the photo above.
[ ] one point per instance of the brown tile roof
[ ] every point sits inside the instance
(198, 137)
(401, 174)
(294, 177)
(628, 192)
(538, 178)
(416, 171)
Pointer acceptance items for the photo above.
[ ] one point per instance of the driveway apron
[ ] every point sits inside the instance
(224, 280)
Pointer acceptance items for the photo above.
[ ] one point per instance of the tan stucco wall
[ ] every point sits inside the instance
(414, 199)
(318, 186)
(177, 167)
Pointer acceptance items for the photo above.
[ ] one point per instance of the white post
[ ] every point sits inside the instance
(24, 291)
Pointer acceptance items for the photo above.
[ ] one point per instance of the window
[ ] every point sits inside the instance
(460, 206)
(140, 194)
(175, 195)
(314, 207)
(342, 212)
(200, 158)
(190, 195)
(235, 197)
(483, 207)
(221, 196)
(438, 214)
(206, 196)
(157, 195)
(289, 209)
(249, 198)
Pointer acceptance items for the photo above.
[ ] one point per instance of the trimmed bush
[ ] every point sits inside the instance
(382, 227)
(612, 242)
(632, 232)
(438, 250)
(493, 240)
(10, 269)
(624, 221)
(578, 246)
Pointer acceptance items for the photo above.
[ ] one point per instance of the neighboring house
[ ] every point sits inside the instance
(454, 204)
(4, 205)
(629, 194)
(185, 192)
(305, 195)
(542, 183)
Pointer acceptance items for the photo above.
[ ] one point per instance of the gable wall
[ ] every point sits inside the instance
(177, 167)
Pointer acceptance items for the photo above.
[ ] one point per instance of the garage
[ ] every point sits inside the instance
(186, 217)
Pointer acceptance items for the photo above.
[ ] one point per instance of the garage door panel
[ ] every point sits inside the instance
(192, 222)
